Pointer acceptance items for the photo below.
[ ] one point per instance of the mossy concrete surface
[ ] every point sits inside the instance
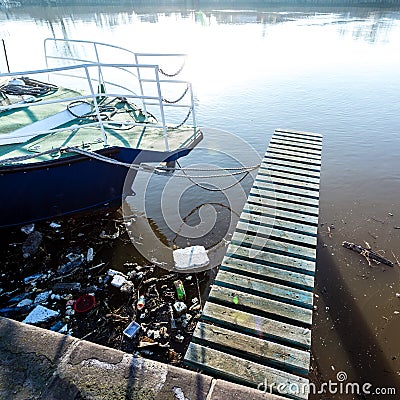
(40, 364)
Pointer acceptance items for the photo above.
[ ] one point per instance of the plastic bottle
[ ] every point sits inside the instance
(172, 319)
(141, 302)
(180, 290)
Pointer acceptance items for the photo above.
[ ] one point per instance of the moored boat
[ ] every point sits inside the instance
(74, 133)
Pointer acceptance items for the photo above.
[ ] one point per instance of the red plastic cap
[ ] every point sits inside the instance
(84, 303)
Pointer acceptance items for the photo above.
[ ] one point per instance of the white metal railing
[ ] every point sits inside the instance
(93, 96)
(119, 79)
(91, 52)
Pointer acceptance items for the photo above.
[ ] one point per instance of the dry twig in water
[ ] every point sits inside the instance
(397, 260)
(368, 254)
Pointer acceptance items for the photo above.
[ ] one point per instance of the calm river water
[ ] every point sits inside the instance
(254, 69)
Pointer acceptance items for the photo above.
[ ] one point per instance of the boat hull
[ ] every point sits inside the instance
(72, 185)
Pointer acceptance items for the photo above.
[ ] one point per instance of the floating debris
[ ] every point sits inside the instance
(25, 302)
(40, 314)
(132, 329)
(84, 303)
(180, 290)
(164, 304)
(57, 326)
(27, 229)
(190, 258)
(32, 244)
(89, 255)
(368, 254)
(118, 281)
(127, 287)
(180, 307)
(64, 329)
(67, 287)
(179, 338)
(141, 303)
(42, 297)
(104, 235)
(32, 278)
(75, 260)
(112, 272)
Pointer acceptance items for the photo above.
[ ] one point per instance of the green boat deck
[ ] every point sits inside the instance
(119, 119)
(255, 328)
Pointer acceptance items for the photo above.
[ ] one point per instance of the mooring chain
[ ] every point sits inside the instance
(177, 100)
(174, 74)
(182, 123)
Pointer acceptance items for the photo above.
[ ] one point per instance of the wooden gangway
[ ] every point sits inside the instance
(255, 325)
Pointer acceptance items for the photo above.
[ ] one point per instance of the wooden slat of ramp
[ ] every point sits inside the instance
(256, 322)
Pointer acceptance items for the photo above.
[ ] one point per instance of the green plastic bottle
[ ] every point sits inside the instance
(180, 290)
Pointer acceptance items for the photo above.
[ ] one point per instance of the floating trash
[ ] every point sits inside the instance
(112, 272)
(27, 229)
(75, 260)
(33, 278)
(141, 303)
(118, 281)
(40, 314)
(190, 258)
(132, 329)
(57, 326)
(24, 303)
(179, 338)
(32, 244)
(159, 319)
(180, 307)
(42, 297)
(127, 287)
(104, 235)
(84, 303)
(67, 287)
(180, 290)
(90, 254)
(64, 329)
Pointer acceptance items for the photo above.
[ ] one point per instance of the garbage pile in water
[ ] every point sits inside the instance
(60, 276)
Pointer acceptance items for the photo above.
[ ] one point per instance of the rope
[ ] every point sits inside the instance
(13, 160)
(156, 170)
(144, 167)
(214, 189)
(28, 86)
(112, 110)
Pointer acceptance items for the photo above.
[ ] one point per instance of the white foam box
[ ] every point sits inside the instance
(190, 258)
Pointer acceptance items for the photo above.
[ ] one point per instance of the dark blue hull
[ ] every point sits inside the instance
(71, 185)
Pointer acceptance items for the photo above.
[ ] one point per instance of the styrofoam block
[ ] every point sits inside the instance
(190, 258)
(40, 314)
